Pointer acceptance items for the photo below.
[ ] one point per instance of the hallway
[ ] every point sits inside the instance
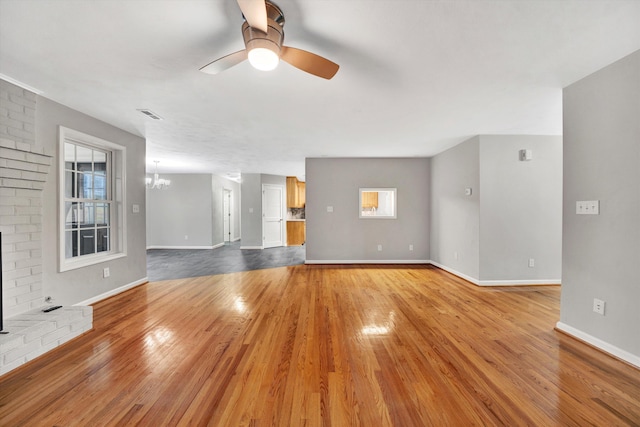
(167, 264)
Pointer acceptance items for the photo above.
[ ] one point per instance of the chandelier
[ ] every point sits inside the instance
(157, 182)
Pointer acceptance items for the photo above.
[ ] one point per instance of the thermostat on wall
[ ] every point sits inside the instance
(526, 155)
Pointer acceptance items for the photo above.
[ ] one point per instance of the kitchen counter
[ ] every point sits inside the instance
(295, 219)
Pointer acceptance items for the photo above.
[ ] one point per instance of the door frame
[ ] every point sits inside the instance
(283, 207)
(227, 193)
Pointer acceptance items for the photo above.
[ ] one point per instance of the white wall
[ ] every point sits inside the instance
(601, 253)
(86, 283)
(24, 169)
(341, 236)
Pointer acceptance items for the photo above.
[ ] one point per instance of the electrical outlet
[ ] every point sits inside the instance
(455, 255)
(186, 237)
(598, 306)
(532, 262)
(588, 207)
(106, 272)
(410, 247)
(379, 247)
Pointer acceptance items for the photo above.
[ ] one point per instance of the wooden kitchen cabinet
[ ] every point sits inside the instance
(370, 199)
(296, 233)
(302, 199)
(295, 193)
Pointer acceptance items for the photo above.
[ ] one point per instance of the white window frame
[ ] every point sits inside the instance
(394, 203)
(117, 176)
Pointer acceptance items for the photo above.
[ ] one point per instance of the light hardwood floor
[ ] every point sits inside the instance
(324, 345)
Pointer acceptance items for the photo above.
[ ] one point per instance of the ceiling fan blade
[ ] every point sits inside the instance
(255, 12)
(225, 62)
(309, 62)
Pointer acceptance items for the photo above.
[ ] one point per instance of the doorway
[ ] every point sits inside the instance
(272, 215)
(226, 216)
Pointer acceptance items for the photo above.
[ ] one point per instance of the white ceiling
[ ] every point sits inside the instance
(416, 76)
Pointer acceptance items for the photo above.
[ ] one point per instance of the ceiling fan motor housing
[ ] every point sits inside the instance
(273, 38)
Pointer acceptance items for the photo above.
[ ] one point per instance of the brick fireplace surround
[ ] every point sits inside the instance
(24, 168)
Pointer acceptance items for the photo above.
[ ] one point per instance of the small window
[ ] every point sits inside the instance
(91, 174)
(377, 203)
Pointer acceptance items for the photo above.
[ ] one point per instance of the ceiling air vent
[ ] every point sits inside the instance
(151, 114)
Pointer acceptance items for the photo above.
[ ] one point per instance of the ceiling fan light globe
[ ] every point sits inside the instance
(263, 59)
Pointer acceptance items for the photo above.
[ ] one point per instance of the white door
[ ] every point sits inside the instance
(272, 215)
(226, 215)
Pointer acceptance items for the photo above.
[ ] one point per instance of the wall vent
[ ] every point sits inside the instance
(151, 114)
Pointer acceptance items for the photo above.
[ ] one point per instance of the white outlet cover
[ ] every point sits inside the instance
(588, 207)
(598, 306)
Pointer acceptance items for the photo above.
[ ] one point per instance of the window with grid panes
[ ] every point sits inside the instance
(90, 226)
(87, 200)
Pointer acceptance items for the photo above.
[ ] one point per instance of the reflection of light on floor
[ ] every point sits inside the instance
(239, 305)
(157, 337)
(376, 330)
(383, 329)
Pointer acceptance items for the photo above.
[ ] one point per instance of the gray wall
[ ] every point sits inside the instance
(192, 207)
(251, 216)
(341, 236)
(520, 209)
(514, 212)
(601, 253)
(455, 217)
(86, 283)
(251, 202)
(181, 215)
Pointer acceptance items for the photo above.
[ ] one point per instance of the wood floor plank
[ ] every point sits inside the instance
(324, 346)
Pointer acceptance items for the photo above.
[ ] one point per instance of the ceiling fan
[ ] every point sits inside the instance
(263, 35)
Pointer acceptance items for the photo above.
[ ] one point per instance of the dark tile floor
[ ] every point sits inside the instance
(166, 264)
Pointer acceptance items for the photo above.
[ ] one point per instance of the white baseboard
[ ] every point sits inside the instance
(598, 343)
(518, 282)
(495, 282)
(251, 247)
(185, 247)
(235, 239)
(366, 261)
(455, 273)
(113, 292)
